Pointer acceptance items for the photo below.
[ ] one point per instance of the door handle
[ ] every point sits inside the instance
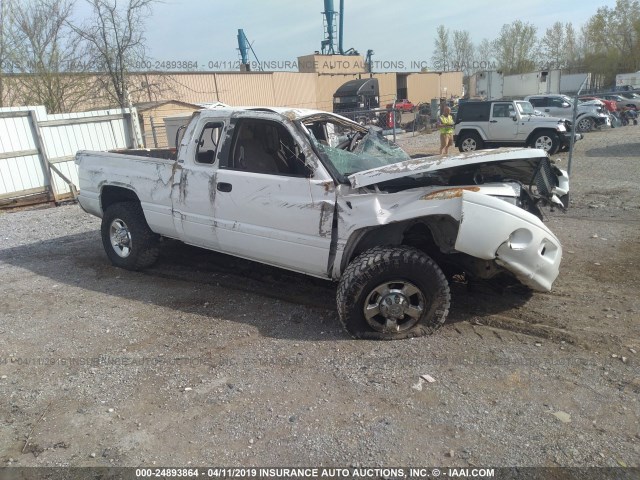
(224, 187)
(546, 109)
(493, 121)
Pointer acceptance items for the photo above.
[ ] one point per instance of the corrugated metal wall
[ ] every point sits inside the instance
(303, 90)
(295, 89)
(453, 83)
(246, 89)
(37, 150)
(154, 132)
(388, 87)
(423, 87)
(186, 87)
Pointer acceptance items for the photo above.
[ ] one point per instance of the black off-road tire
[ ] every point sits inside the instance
(143, 244)
(547, 141)
(389, 264)
(470, 142)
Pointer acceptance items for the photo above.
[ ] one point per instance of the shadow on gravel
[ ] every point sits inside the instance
(625, 150)
(79, 260)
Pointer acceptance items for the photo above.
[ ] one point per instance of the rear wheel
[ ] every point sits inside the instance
(470, 142)
(127, 238)
(390, 293)
(547, 141)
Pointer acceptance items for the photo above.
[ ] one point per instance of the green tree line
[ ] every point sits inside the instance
(606, 45)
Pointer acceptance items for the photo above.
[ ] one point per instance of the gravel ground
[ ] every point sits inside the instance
(208, 360)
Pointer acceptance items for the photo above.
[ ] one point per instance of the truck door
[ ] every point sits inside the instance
(193, 190)
(502, 127)
(269, 206)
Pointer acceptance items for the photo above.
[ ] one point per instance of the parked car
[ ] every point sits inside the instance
(402, 105)
(630, 95)
(588, 116)
(623, 102)
(316, 193)
(610, 105)
(509, 123)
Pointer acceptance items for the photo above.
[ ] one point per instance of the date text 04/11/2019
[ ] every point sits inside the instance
(314, 472)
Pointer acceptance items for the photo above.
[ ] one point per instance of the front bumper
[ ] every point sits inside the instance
(603, 121)
(565, 138)
(492, 229)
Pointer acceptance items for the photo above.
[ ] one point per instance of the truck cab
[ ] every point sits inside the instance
(356, 98)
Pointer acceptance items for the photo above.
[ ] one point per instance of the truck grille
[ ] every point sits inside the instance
(544, 179)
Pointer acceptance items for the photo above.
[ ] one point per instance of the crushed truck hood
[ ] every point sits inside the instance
(513, 163)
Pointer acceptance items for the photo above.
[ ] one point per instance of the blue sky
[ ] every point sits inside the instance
(281, 30)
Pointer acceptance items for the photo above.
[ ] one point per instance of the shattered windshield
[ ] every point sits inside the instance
(350, 148)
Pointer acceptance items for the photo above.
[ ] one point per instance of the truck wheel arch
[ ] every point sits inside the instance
(468, 130)
(433, 235)
(111, 194)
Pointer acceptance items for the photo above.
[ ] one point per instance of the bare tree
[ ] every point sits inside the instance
(484, 58)
(442, 49)
(515, 47)
(462, 51)
(570, 51)
(552, 47)
(49, 56)
(116, 39)
(6, 45)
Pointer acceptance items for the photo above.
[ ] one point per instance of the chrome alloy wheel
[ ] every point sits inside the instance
(544, 142)
(394, 306)
(120, 238)
(469, 145)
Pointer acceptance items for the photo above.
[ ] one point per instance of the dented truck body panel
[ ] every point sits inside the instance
(314, 219)
(522, 245)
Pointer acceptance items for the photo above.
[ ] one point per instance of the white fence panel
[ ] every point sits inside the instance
(37, 150)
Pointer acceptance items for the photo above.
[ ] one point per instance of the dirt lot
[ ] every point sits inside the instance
(207, 360)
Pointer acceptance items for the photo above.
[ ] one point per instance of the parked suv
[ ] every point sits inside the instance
(555, 105)
(509, 123)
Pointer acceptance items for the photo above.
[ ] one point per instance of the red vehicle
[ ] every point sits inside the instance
(610, 105)
(402, 105)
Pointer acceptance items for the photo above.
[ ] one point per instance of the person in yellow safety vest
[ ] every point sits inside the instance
(445, 124)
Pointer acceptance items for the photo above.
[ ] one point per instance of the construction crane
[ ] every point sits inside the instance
(244, 46)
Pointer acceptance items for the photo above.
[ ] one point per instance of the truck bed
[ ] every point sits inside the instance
(164, 153)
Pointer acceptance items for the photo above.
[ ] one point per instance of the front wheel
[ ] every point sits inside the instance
(127, 238)
(586, 124)
(547, 141)
(389, 293)
(470, 142)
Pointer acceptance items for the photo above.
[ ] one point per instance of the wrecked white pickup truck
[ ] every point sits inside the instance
(316, 193)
